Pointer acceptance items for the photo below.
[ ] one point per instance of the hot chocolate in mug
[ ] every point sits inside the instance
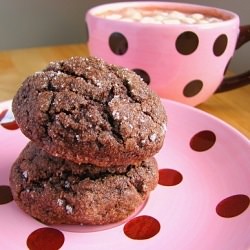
(181, 50)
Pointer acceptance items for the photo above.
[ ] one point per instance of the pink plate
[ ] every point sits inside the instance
(201, 201)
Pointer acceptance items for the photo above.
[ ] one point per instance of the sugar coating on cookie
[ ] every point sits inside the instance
(57, 191)
(89, 111)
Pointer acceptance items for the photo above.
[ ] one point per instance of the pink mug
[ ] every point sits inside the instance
(185, 62)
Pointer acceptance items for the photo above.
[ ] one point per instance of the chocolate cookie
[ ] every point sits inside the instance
(57, 191)
(88, 111)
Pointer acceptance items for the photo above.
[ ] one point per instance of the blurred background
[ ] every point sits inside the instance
(33, 23)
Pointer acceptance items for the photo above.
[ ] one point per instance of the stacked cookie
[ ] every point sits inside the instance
(94, 128)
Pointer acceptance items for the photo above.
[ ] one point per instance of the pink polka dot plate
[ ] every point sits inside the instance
(201, 201)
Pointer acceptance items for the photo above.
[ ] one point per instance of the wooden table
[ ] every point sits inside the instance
(15, 65)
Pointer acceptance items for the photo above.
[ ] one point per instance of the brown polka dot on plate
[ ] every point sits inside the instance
(5, 195)
(187, 42)
(142, 227)
(203, 140)
(169, 177)
(118, 43)
(233, 206)
(10, 125)
(192, 88)
(45, 239)
(220, 45)
(143, 74)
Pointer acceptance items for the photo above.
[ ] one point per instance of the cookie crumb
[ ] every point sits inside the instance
(25, 174)
(66, 184)
(116, 115)
(164, 127)
(69, 209)
(98, 83)
(152, 137)
(60, 202)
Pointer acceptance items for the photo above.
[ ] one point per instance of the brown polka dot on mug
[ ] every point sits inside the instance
(143, 74)
(220, 45)
(193, 88)
(118, 43)
(5, 194)
(187, 42)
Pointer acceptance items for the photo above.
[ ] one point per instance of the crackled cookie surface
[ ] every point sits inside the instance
(57, 191)
(88, 111)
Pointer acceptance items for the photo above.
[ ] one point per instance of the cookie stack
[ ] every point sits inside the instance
(94, 128)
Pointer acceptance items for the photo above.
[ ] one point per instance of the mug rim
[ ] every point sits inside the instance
(227, 15)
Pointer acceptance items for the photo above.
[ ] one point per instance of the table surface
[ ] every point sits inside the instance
(233, 107)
